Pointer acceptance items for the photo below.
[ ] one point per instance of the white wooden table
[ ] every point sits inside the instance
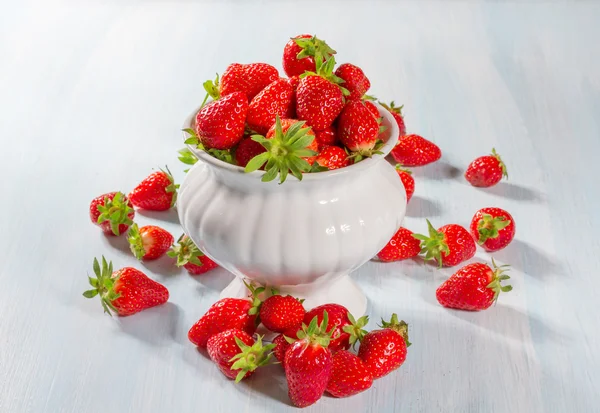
(92, 95)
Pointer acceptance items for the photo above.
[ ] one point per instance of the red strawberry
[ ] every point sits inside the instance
(408, 181)
(326, 137)
(290, 148)
(333, 157)
(344, 328)
(354, 80)
(397, 114)
(493, 228)
(225, 314)
(274, 100)
(402, 246)
(372, 108)
(237, 354)
(308, 364)
(112, 212)
(450, 245)
(282, 343)
(126, 291)
(319, 100)
(300, 52)
(280, 313)
(190, 257)
(246, 150)
(294, 81)
(149, 242)
(384, 350)
(413, 150)
(220, 124)
(349, 375)
(474, 287)
(358, 129)
(486, 171)
(248, 79)
(157, 192)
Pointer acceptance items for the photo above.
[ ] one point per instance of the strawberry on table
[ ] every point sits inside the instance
(333, 157)
(225, 314)
(220, 124)
(126, 291)
(280, 313)
(486, 171)
(274, 100)
(358, 130)
(290, 148)
(354, 80)
(383, 351)
(308, 364)
(396, 112)
(112, 212)
(246, 150)
(449, 245)
(474, 287)
(401, 247)
(349, 375)
(493, 228)
(237, 354)
(157, 192)
(301, 52)
(248, 79)
(326, 137)
(190, 257)
(346, 331)
(282, 343)
(414, 150)
(407, 180)
(149, 242)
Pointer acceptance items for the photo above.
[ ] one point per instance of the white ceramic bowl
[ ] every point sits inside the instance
(302, 237)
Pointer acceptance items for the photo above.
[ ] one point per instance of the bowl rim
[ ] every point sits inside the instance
(393, 132)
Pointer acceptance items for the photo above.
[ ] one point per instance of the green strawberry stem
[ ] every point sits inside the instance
(399, 327)
(502, 164)
(224, 155)
(399, 167)
(173, 187)
(433, 245)
(315, 47)
(135, 242)
(316, 333)
(185, 251)
(187, 157)
(392, 107)
(212, 90)
(103, 285)
(324, 68)
(256, 301)
(497, 278)
(116, 211)
(251, 357)
(368, 153)
(356, 330)
(489, 227)
(284, 152)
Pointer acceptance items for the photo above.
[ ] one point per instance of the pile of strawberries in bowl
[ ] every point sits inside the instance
(318, 118)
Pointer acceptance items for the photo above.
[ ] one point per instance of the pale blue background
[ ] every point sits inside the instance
(92, 95)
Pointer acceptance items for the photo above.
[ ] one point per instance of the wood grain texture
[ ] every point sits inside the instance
(92, 95)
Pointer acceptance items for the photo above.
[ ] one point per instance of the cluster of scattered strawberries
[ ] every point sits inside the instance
(312, 347)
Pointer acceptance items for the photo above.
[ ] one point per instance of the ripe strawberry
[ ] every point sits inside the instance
(397, 114)
(308, 364)
(333, 157)
(190, 257)
(384, 350)
(290, 148)
(248, 79)
(157, 192)
(301, 52)
(237, 354)
(414, 150)
(372, 108)
(493, 228)
(344, 328)
(220, 124)
(225, 314)
(126, 291)
(319, 99)
(282, 343)
(294, 81)
(358, 129)
(326, 137)
(354, 80)
(408, 181)
(486, 171)
(402, 246)
(274, 100)
(246, 150)
(280, 313)
(112, 212)
(474, 287)
(349, 375)
(449, 245)
(149, 242)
